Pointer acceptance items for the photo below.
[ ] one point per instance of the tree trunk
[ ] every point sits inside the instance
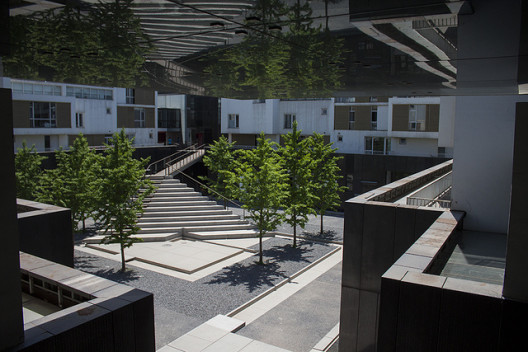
(261, 262)
(294, 230)
(322, 222)
(84, 224)
(122, 257)
(225, 204)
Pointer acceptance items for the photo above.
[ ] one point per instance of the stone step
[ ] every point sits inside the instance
(190, 212)
(182, 208)
(174, 189)
(177, 223)
(217, 235)
(177, 194)
(177, 200)
(146, 237)
(167, 181)
(187, 218)
(205, 228)
(171, 185)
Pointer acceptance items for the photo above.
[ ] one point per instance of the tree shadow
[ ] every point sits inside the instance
(81, 262)
(250, 274)
(254, 276)
(327, 235)
(117, 275)
(289, 253)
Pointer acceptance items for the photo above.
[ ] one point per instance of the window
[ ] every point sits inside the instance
(36, 89)
(42, 114)
(89, 93)
(79, 120)
(139, 118)
(47, 142)
(373, 99)
(345, 100)
(377, 145)
(233, 121)
(403, 141)
(417, 117)
(324, 111)
(350, 182)
(374, 118)
(351, 118)
(288, 120)
(412, 117)
(130, 96)
(108, 111)
(169, 118)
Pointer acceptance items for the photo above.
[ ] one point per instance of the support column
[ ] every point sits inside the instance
(12, 324)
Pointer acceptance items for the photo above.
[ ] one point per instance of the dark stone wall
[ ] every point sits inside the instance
(11, 324)
(47, 234)
(375, 235)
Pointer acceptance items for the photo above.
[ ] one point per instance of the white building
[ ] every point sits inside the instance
(50, 115)
(413, 126)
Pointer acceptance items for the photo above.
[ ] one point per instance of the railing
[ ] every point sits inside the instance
(161, 164)
(427, 202)
(431, 194)
(189, 154)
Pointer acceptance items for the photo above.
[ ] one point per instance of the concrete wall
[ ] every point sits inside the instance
(515, 283)
(11, 324)
(46, 232)
(414, 147)
(484, 130)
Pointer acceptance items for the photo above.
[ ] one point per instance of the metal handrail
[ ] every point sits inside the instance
(213, 191)
(164, 160)
(188, 152)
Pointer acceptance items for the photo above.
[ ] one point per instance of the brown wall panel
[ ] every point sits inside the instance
(244, 139)
(63, 115)
(400, 117)
(432, 118)
(150, 121)
(144, 96)
(362, 118)
(125, 117)
(21, 114)
(341, 117)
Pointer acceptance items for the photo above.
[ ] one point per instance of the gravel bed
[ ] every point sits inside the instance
(218, 293)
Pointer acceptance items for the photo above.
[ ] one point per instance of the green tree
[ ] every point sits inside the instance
(220, 161)
(298, 166)
(27, 171)
(122, 190)
(104, 46)
(262, 186)
(73, 183)
(325, 184)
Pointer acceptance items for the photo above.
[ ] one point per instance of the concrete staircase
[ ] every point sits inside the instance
(177, 211)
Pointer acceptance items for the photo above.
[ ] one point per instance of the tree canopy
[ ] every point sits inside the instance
(27, 171)
(301, 60)
(261, 180)
(104, 46)
(122, 189)
(298, 165)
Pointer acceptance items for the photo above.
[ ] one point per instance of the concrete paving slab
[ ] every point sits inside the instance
(190, 343)
(226, 323)
(185, 256)
(229, 343)
(257, 346)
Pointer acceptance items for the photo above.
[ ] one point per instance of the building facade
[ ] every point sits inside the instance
(410, 126)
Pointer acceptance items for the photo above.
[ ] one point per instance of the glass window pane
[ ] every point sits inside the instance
(37, 89)
(368, 143)
(48, 90)
(17, 87)
(28, 88)
(78, 92)
(57, 90)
